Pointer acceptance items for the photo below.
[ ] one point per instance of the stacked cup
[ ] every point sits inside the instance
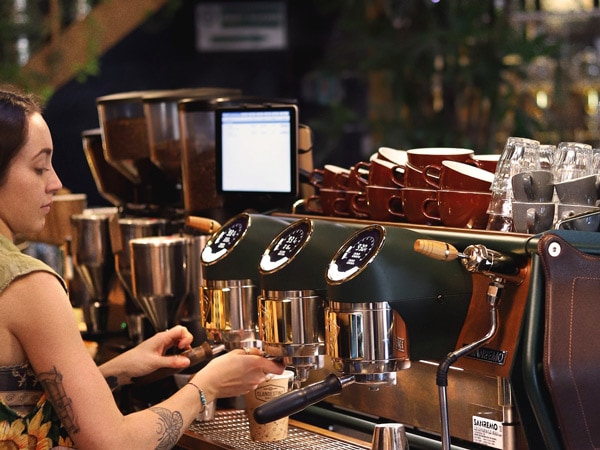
(446, 186)
(336, 187)
(576, 187)
(381, 199)
(518, 155)
(532, 205)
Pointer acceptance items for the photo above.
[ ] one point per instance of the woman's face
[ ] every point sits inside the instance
(26, 195)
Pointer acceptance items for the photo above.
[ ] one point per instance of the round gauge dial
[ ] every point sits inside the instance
(356, 253)
(225, 240)
(285, 246)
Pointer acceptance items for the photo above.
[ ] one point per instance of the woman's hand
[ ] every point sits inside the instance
(149, 356)
(235, 373)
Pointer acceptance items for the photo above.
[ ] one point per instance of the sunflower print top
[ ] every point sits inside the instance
(27, 419)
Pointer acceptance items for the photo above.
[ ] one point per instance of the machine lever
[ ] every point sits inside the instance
(203, 224)
(441, 251)
(298, 399)
(475, 258)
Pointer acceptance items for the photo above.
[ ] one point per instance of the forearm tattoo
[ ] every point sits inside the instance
(169, 427)
(63, 405)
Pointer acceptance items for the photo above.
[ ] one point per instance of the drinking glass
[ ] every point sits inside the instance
(573, 160)
(519, 155)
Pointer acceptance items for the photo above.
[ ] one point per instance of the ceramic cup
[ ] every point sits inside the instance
(463, 209)
(534, 186)
(487, 162)
(464, 177)
(331, 202)
(392, 155)
(358, 177)
(359, 206)
(578, 191)
(330, 177)
(429, 162)
(589, 223)
(532, 217)
(386, 173)
(420, 206)
(385, 203)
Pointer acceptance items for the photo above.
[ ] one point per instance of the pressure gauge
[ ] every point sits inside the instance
(225, 240)
(355, 254)
(286, 246)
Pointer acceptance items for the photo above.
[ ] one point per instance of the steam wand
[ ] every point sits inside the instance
(477, 259)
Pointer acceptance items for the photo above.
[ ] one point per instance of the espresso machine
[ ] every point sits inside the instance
(291, 306)
(231, 282)
(446, 369)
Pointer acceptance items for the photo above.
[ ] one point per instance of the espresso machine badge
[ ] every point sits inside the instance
(225, 240)
(285, 246)
(356, 254)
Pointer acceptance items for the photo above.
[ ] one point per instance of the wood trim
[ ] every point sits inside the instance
(64, 56)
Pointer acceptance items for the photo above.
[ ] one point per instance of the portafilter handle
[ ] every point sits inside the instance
(298, 399)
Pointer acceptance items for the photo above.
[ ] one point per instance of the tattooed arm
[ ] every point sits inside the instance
(39, 315)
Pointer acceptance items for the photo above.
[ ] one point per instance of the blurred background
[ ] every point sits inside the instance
(365, 73)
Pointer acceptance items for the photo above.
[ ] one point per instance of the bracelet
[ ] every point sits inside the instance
(202, 397)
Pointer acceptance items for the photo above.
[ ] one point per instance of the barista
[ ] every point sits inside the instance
(64, 399)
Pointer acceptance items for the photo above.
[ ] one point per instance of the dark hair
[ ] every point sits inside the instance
(15, 108)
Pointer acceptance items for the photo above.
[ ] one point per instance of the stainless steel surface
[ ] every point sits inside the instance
(292, 327)
(230, 429)
(91, 251)
(361, 341)
(160, 277)
(94, 262)
(229, 312)
(389, 436)
(133, 228)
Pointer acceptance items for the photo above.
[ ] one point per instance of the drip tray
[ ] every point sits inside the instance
(229, 430)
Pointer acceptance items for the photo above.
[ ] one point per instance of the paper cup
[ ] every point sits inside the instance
(278, 429)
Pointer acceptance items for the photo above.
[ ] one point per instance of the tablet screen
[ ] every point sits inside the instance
(256, 150)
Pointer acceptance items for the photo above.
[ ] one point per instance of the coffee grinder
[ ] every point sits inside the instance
(94, 261)
(291, 307)
(231, 280)
(126, 229)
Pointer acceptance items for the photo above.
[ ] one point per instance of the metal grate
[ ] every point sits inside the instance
(230, 427)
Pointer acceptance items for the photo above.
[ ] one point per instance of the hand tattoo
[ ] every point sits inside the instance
(63, 405)
(169, 427)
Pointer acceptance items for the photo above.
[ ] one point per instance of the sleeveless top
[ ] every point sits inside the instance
(27, 418)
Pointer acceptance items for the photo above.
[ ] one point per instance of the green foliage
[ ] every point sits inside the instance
(452, 69)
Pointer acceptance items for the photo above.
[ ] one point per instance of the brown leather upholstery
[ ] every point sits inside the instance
(572, 340)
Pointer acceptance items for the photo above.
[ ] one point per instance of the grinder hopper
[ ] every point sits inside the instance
(160, 276)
